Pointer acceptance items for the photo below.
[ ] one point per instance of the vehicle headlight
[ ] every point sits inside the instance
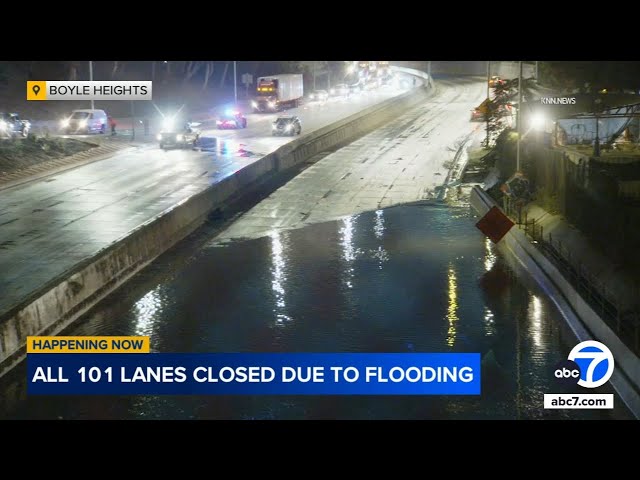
(179, 138)
(64, 123)
(254, 104)
(274, 127)
(167, 124)
(159, 136)
(3, 125)
(289, 127)
(272, 104)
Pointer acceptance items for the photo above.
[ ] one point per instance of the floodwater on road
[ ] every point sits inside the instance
(413, 278)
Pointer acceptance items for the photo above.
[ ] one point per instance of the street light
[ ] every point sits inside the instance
(519, 117)
(596, 143)
(488, 96)
(537, 121)
(315, 68)
(235, 84)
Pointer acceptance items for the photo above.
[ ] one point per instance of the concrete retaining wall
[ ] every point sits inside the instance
(65, 298)
(583, 321)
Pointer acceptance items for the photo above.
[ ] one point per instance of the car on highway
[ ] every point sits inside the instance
(478, 115)
(286, 125)
(356, 88)
(340, 90)
(319, 96)
(231, 119)
(178, 134)
(11, 125)
(372, 84)
(386, 79)
(85, 121)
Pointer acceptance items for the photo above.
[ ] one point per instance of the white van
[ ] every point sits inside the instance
(85, 121)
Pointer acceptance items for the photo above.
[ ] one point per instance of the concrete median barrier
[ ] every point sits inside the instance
(65, 298)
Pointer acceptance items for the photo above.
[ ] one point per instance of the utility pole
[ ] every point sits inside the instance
(133, 122)
(429, 72)
(519, 118)
(235, 84)
(91, 80)
(315, 67)
(488, 98)
(596, 143)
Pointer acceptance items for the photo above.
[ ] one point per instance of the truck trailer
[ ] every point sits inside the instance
(276, 92)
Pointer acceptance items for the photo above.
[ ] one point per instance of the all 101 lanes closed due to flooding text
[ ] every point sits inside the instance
(202, 374)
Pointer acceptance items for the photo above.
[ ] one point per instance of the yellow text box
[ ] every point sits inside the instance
(36, 90)
(102, 344)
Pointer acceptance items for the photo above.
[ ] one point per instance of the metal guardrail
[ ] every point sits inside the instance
(625, 323)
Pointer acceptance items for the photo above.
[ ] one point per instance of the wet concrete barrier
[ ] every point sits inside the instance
(582, 320)
(65, 298)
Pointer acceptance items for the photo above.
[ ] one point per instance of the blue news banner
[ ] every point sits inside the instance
(254, 374)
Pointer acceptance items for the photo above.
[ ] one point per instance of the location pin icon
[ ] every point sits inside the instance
(36, 89)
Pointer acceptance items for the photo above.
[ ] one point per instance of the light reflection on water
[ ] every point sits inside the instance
(278, 270)
(489, 256)
(452, 309)
(349, 252)
(378, 228)
(443, 288)
(146, 310)
(535, 321)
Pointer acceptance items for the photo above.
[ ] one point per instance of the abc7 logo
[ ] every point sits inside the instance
(589, 364)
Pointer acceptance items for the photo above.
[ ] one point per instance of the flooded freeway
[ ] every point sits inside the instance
(413, 278)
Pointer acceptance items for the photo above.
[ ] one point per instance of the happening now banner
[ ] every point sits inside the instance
(124, 367)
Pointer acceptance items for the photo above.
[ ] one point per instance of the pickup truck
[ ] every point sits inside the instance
(12, 125)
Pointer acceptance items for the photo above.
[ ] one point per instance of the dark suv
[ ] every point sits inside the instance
(178, 133)
(288, 125)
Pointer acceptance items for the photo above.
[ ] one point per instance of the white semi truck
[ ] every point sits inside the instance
(276, 92)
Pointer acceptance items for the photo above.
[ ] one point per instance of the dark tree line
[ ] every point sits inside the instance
(504, 104)
(591, 76)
